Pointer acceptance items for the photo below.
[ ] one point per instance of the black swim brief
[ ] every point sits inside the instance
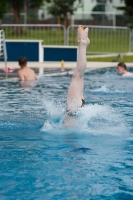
(70, 113)
(83, 102)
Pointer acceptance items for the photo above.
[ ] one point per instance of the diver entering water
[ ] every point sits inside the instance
(70, 113)
(75, 97)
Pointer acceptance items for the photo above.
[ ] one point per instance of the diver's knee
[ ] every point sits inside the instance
(76, 75)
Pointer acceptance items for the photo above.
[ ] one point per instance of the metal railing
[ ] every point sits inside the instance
(51, 34)
(3, 52)
(105, 39)
(132, 40)
(80, 16)
(96, 18)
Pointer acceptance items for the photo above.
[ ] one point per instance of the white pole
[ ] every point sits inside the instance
(5, 54)
(114, 19)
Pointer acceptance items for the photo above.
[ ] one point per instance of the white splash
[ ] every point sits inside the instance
(55, 112)
(102, 119)
(105, 89)
(91, 119)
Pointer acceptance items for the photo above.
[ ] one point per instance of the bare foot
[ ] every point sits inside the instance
(80, 31)
(84, 37)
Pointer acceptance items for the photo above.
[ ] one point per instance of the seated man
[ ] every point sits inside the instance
(25, 73)
(75, 97)
(122, 69)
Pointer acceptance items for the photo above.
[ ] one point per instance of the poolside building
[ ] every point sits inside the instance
(98, 12)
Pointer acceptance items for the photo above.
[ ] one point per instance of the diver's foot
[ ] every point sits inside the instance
(80, 31)
(84, 37)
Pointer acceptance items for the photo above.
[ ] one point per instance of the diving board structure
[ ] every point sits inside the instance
(3, 52)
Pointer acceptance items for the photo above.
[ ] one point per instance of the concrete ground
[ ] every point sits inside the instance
(66, 64)
(54, 67)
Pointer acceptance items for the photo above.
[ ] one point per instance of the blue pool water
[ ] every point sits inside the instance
(40, 159)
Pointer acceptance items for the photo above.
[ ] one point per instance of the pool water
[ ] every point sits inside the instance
(41, 159)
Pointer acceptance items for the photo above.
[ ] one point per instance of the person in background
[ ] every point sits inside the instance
(122, 69)
(25, 73)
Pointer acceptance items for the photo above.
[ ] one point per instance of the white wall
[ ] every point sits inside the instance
(111, 4)
(88, 5)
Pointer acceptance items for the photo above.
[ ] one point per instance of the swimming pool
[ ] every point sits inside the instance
(40, 159)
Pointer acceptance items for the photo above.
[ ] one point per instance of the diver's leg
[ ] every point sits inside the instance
(81, 62)
(77, 83)
(75, 91)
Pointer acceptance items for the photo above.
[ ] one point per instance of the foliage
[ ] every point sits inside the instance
(3, 8)
(17, 6)
(128, 9)
(99, 7)
(62, 7)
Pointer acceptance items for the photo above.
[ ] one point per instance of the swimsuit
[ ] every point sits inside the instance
(70, 113)
(83, 102)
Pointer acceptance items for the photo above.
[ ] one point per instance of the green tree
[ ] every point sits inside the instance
(99, 8)
(3, 8)
(17, 6)
(60, 9)
(128, 10)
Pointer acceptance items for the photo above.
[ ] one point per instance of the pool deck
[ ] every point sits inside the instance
(67, 65)
(53, 68)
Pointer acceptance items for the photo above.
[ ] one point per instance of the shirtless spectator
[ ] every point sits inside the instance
(122, 69)
(25, 73)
